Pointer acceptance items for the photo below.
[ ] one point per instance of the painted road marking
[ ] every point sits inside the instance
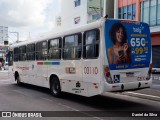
(68, 107)
(144, 95)
(3, 71)
(5, 80)
(20, 92)
(155, 85)
(47, 99)
(80, 111)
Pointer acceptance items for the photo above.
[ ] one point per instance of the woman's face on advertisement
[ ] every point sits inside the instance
(119, 35)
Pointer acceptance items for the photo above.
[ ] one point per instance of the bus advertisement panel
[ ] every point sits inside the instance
(128, 44)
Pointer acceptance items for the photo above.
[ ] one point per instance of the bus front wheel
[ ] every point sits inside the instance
(55, 87)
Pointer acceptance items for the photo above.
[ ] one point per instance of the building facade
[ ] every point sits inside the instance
(150, 13)
(3, 42)
(3, 35)
(146, 11)
(80, 12)
(73, 13)
(99, 8)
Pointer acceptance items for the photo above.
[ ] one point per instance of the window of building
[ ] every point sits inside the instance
(119, 13)
(158, 13)
(156, 56)
(41, 50)
(146, 12)
(77, 20)
(31, 52)
(133, 11)
(54, 48)
(129, 9)
(96, 16)
(16, 54)
(72, 46)
(5, 42)
(77, 3)
(153, 12)
(150, 12)
(127, 12)
(91, 44)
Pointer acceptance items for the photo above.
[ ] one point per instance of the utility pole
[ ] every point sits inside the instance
(17, 33)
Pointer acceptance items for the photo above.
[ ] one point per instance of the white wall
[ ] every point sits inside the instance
(69, 12)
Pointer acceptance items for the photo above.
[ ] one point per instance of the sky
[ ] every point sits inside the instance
(30, 18)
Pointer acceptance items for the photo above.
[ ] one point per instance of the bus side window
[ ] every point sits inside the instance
(54, 48)
(22, 53)
(16, 54)
(41, 51)
(31, 51)
(91, 44)
(72, 46)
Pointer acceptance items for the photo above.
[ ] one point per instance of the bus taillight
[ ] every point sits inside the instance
(149, 72)
(150, 67)
(107, 74)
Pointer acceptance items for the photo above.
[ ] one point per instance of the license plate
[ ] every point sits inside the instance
(129, 74)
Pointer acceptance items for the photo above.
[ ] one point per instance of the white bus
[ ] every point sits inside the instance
(107, 55)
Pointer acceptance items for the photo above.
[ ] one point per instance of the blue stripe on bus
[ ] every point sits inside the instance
(55, 63)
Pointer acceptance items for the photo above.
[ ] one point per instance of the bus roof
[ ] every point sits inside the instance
(89, 26)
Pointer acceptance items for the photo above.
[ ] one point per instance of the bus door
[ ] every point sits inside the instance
(30, 69)
(41, 63)
(10, 63)
(72, 63)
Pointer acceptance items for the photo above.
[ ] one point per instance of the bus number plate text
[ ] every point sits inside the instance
(91, 70)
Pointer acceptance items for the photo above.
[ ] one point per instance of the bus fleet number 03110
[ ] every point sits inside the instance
(91, 70)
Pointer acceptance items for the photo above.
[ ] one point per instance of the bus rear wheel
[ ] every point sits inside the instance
(55, 87)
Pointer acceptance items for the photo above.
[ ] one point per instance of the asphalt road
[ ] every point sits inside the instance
(156, 81)
(32, 98)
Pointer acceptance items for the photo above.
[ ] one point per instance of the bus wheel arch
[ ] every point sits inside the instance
(55, 86)
(17, 78)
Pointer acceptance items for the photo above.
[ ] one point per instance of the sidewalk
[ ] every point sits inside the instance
(4, 74)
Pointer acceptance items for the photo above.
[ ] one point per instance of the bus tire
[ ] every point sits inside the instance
(17, 78)
(55, 87)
